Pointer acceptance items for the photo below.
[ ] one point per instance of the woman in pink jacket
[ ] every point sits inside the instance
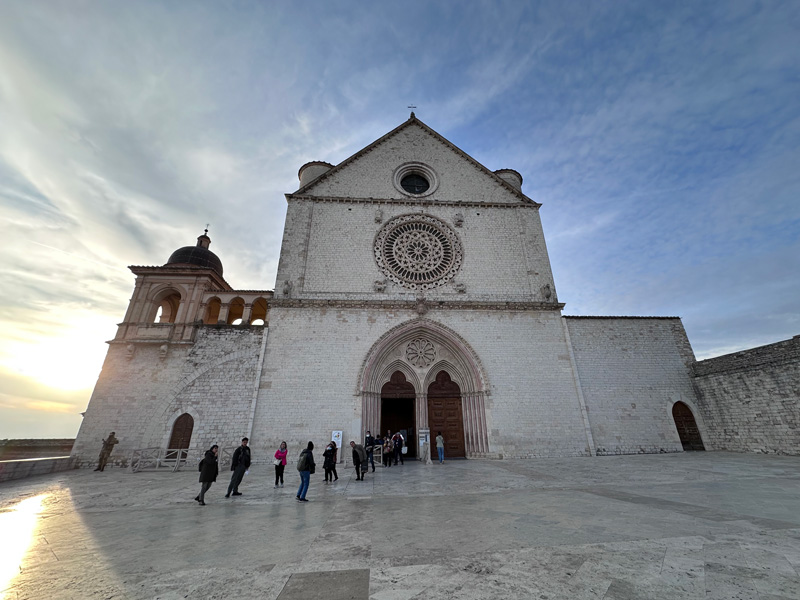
(280, 463)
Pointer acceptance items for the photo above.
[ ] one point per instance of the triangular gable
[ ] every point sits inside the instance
(323, 185)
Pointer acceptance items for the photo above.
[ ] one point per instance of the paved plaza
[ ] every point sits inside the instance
(694, 525)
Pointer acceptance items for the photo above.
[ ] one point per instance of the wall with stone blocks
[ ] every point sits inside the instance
(751, 399)
(309, 384)
(632, 370)
(139, 397)
(28, 467)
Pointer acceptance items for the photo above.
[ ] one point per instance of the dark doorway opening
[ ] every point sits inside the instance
(181, 437)
(397, 410)
(444, 414)
(687, 427)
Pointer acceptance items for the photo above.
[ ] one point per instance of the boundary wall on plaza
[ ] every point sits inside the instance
(27, 467)
(750, 400)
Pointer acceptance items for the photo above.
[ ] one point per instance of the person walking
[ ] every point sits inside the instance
(329, 462)
(306, 466)
(398, 441)
(208, 473)
(239, 466)
(369, 446)
(105, 451)
(359, 460)
(280, 463)
(440, 447)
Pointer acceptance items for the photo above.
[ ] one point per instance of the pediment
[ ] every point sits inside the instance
(377, 171)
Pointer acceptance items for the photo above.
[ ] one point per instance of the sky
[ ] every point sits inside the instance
(662, 139)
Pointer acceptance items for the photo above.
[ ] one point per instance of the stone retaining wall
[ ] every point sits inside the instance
(750, 400)
(17, 469)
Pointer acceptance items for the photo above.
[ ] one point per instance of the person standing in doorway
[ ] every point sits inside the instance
(369, 446)
(105, 451)
(388, 450)
(398, 441)
(239, 466)
(208, 473)
(359, 460)
(280, 463)
(306, 467)
(440, 447)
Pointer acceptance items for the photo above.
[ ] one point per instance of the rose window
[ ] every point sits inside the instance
(420, 353)
(418, 251)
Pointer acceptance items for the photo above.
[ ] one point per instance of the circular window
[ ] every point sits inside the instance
(418, 252)
(415, 179)
(414, 184)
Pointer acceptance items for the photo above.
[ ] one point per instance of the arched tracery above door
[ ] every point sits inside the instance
(420, 349)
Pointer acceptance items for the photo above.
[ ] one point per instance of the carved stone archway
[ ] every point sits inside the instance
(420, 349)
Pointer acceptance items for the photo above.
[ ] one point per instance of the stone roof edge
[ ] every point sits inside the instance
(195, 270)
(411, 202)
(615, 317)
(414, 120)
(211, 291)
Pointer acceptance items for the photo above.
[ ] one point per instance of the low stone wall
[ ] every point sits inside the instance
(750, 400)
(17, 469)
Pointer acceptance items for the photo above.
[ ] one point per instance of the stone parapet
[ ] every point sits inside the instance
(28, 467)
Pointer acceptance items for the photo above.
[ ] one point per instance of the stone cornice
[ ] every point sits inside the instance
(183, 270)
(419, 306)
(411, 203)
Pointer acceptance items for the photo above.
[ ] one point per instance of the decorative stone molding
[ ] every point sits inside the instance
(287, 288)
(421, 306)
(163, 349)
(415, 203)
(418, 168)
(458, 220)
(379, 285)
(130, 350)
(378, 215)
(420, 352)
(461, 288)
(415, 305)
(418, 252)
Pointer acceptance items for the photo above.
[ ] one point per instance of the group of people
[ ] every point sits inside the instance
(363, 457)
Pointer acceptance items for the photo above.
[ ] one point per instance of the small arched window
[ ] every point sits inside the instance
(212, 311)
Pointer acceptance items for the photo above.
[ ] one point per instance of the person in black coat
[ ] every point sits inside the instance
(306, 467)
(239, 465)
(208, 472)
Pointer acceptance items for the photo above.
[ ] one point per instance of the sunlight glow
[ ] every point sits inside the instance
(17, 526)
(69, 360)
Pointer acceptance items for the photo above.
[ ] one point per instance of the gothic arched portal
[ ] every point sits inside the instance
(430, 358)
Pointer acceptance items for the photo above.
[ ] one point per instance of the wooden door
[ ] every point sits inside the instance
(687, 427)
(181, 433)
(445, 415)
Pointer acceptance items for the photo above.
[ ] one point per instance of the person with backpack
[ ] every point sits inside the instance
(359, 460)
(208, 473)
(398, 441)
(239, 466)
(306, 467)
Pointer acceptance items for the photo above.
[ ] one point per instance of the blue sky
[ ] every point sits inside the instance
(661, 138)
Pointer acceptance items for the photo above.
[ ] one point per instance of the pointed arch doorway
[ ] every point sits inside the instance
(397, 409)
(445, 414)
(687, 428)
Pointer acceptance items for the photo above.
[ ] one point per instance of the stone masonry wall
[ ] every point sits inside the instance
(139, 397)
(751, 399)
(632, 370)
(309, 383)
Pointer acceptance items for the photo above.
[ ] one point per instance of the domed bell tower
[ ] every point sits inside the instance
(167, 301)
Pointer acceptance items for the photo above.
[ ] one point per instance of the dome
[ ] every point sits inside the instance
(197, 256)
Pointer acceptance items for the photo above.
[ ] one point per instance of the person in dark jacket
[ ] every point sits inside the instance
(329, 464)
(359, 460)
(369, 446)
(306, 466)
(239, 464)
(208, 473)
(398, 441)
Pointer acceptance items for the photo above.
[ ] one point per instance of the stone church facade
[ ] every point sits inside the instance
(414, 292)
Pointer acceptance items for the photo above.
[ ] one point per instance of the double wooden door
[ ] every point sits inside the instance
(444, 414)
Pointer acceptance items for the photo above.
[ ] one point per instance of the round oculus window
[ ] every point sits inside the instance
(418, 251)
(415, 184)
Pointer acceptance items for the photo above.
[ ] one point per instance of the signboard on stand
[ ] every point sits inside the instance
(336, 436)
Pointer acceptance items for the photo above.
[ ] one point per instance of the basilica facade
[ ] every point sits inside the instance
(414, 293)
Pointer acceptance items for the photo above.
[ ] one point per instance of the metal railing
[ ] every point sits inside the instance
(173, 459)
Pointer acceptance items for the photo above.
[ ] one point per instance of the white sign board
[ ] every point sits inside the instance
(336, 436)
